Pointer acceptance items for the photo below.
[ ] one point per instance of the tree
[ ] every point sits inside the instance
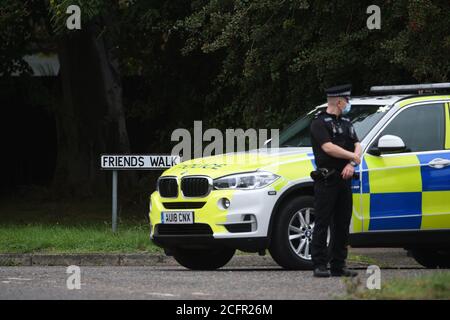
(12, 15)
(89, 116)
(230, 63)
(280, 55)
(90, 119)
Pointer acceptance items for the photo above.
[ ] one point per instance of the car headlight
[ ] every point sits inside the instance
(250, 180)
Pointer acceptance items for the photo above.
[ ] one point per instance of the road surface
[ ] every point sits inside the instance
(234, 282)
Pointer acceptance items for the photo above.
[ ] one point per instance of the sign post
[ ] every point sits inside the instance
(114, 201)
(132, 162)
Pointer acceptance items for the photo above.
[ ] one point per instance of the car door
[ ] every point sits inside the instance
(435, 169)
(409, 189)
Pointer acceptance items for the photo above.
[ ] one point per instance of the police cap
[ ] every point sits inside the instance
(339, 91)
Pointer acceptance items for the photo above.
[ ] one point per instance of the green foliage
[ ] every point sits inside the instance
(171, 89)
(279, 55)
(14, 36)
(422, 45)
(23, 31)
(241, 63)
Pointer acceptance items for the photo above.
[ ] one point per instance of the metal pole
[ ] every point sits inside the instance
(114, 201)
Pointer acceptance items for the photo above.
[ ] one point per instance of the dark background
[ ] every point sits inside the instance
(154, 66)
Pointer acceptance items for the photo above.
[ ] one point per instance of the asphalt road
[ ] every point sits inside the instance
(173, 282)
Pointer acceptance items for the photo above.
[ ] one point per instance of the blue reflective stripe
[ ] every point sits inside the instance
(365, 178)
(384, 206)
(434, 179)
(355, 186)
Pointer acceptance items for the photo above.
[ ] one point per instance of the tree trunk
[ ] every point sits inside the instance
(90, 120)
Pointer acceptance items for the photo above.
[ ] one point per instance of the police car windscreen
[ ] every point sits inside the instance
(363, 117)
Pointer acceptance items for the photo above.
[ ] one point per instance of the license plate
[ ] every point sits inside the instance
(177, 217)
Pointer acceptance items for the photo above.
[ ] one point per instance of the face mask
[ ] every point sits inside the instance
(347, 108)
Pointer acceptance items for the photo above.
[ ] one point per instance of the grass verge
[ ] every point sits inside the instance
(427, 287)
(360, 259)
(29, 226)
(75, 239)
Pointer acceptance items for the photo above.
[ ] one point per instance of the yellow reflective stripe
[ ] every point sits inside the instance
(435, 210)
(357, 218)
(365, 197)
(421, 99)
(400, 179)
(447, 126)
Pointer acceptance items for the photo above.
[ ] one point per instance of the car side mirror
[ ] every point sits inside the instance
(388, 143)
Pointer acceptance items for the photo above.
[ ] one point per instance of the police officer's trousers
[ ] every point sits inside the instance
(333, 210)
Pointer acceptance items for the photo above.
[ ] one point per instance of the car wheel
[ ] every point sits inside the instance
(432, 258)
(292, 234)
(203, 259)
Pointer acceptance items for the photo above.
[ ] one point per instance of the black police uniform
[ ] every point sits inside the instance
(333, 196)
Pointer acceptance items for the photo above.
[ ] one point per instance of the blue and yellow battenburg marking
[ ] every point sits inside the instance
(403, 192)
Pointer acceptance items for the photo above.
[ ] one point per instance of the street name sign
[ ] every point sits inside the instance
(138, 162)
(116, 162)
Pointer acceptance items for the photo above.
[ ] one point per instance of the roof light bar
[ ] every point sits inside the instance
(411, 88)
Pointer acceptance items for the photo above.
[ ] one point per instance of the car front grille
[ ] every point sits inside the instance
(168, 187)
(182, 229)
(183, 205)
(195, 186)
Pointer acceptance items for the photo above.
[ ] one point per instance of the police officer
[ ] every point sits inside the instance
(336, 150)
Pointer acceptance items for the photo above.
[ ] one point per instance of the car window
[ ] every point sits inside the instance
(363, 117)
(420, 127)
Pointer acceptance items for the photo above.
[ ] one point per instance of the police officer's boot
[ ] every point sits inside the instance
(321, 272)
(343, 272)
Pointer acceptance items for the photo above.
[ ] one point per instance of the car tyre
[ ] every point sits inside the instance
(280, 247)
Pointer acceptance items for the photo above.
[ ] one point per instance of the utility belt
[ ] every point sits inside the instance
(324, 174)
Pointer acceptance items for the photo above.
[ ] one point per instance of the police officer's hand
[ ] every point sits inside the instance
(356, 158)
(348, 172)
